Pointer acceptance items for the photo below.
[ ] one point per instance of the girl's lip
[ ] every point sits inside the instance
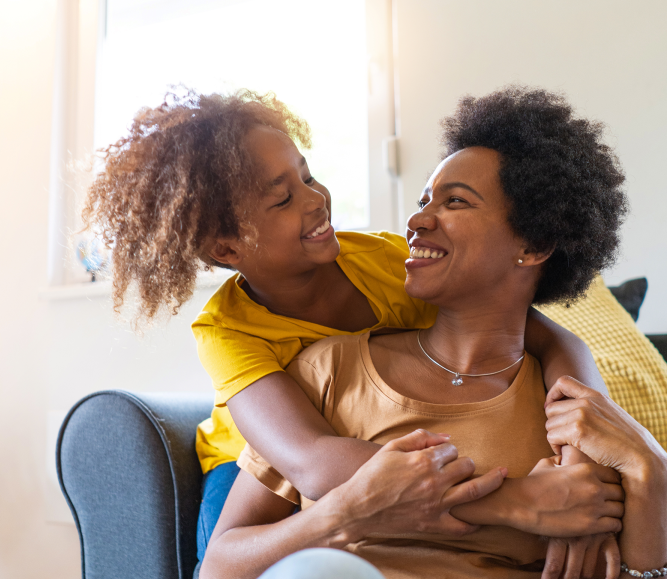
(328, 234)
(320, 224)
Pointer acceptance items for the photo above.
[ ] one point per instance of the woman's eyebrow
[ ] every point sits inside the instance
(458, 185)
(280, 178)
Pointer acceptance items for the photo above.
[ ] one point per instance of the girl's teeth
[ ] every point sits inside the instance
(321, 229)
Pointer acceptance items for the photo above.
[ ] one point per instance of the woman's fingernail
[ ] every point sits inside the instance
(504, 471)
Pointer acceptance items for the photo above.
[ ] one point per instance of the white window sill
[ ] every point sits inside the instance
(98, 289)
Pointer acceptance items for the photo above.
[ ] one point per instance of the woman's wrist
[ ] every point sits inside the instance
(341, 524)
(645, 474)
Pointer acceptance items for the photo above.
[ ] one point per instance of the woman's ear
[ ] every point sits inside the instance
(527, 257)
(225, 251)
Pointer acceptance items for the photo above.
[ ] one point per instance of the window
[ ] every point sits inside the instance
(330, 62)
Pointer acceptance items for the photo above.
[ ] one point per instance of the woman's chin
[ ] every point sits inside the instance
(422, 291)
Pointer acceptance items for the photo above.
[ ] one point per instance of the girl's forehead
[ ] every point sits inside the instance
(272, 151)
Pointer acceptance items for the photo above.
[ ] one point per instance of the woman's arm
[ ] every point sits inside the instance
(279, 421)
(255, 531)
(411, 483)
(560, 352)
(597, 426)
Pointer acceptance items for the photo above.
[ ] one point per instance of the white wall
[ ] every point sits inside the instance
(609, 56)
(52, 352)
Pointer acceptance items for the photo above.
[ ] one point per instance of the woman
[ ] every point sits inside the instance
(525, 209)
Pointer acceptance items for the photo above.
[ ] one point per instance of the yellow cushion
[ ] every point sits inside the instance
(634, 371)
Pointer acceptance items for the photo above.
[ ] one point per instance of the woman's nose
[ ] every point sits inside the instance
(423, 219)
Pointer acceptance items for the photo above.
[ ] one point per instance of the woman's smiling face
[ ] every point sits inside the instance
(463, 221)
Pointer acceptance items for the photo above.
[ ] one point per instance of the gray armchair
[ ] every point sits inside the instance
(129, 471)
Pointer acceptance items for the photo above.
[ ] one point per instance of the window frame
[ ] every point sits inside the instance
(80, 32)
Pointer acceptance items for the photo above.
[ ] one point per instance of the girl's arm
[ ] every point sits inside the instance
(279, 421)
(552, 501)
(560, 352)
(411, 483)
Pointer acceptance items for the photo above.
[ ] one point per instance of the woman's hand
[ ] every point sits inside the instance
(567, 501)
(409, 486)
(580, 557)
(598, 427)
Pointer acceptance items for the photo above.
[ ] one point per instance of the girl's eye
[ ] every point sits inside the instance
(421, 204)
(310, 180)
(285, 201)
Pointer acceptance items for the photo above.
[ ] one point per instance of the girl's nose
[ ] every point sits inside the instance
(313, 200)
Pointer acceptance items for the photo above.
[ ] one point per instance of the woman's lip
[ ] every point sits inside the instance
(417, 242)
(414, 263)
(328, 234)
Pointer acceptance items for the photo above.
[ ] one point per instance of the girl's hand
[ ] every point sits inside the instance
(569, 501)
(409, 486)
(580, 557)
(594, 424)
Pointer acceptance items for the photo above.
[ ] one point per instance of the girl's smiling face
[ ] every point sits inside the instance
(289, 221)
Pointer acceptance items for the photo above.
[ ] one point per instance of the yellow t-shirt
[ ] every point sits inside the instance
(239, 341)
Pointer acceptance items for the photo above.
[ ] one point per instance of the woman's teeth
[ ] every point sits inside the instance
(320, 230)
(420, 252)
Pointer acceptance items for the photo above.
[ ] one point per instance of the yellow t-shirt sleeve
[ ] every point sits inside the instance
(234, 360)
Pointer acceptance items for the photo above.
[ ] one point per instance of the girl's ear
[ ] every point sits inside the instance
(225, 252)
(527, 257)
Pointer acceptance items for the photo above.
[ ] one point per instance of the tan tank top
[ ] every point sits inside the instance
(338, 376)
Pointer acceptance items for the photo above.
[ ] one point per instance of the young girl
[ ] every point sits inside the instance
(218, 181)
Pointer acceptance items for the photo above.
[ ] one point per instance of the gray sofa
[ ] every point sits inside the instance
(134, 487)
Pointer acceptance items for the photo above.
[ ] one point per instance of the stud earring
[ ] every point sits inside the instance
(520, 261)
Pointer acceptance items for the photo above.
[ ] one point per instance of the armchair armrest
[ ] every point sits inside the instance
(129, 471)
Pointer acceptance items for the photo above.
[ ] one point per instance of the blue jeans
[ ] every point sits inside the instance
(214, 490)
(322, 564)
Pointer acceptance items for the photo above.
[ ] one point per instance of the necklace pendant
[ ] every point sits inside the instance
(457, 381)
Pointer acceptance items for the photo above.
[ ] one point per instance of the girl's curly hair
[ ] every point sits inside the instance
(563, 183)
(178, 177)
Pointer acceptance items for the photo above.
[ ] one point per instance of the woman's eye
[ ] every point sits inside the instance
(285, 201)
(455, 200)
(421, 204)
(310, 180)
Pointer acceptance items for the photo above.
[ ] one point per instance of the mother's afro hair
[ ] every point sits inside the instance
(562, 181)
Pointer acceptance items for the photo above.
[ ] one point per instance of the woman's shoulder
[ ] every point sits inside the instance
(329, 352)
